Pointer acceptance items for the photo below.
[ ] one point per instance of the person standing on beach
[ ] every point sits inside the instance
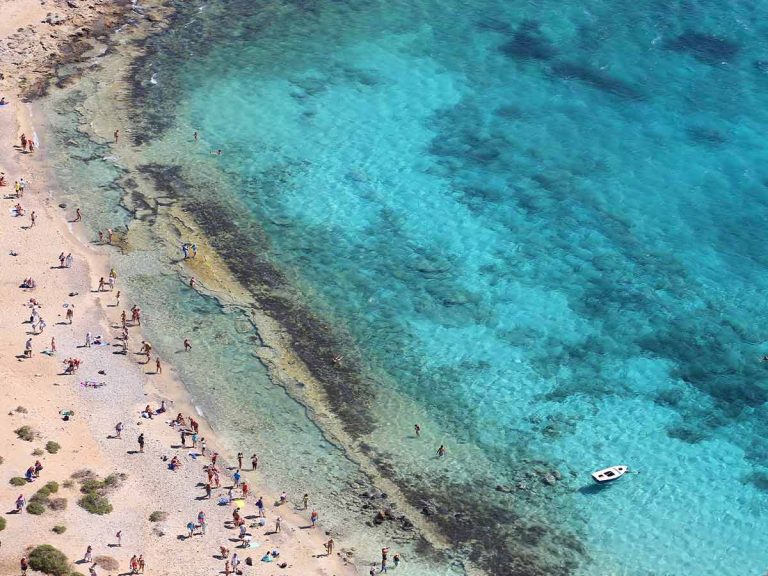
(24, 141)
(260, 506)
(70, 314)
(313, 518)
(158, 366)
(53, 344)
(117, 135)
(24, 566)
(62, 257)
(119, 538)
(329, 547)
(187, 345)
(119, 430)
(201, 521)
(141, 442)
(32, 217)
(28, 348)
(384, 556)
(240, 460)
(278, 523)
(142, 563)
(254, 461)
(87, 339)
(69, 260)
(305, 499)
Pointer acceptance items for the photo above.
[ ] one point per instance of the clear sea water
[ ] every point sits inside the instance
(536, 228)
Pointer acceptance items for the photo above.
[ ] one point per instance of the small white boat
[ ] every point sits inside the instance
(609, 474)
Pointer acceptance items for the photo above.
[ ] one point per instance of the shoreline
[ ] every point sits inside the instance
(154, 195)
(83, 438)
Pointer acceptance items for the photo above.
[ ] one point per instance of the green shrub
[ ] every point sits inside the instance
(158, 516)
(82, 474)
(58, 504)
(49, 560)
(107, 562)
(52, 447)
(38, 452)
(18, 481)
(59, 529)
(52, 487)
(68, 484)
(2, 523)
(25, 433)
(95, 504)
(42, 494)
(36, 508)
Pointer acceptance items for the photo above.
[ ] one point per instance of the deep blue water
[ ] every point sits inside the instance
(539, 227)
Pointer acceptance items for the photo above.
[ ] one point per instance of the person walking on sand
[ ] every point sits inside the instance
(24, 141)
(119, 538)
(21, 502)
(240, 460)
(87, 339)
(142, 563)
(24, 566)
(329, 547)
(134, 564)
(28, 348)
(53, 344)
(305, 499)
(117, 135)
(88, 558)
(202, 522)
(62, 257)
(119, 430)
(278, 522)
(141, 442)
(313, 518)
(32, 217)
(69, 260)
(158, 367)
(70, 314)
(187, 345)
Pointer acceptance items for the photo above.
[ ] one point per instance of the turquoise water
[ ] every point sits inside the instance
(536, 228)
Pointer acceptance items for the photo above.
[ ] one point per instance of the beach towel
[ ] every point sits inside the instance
(92, 384)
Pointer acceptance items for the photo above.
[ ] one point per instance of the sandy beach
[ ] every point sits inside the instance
(80, 411)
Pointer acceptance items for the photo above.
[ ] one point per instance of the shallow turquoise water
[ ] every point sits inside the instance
(542, 226)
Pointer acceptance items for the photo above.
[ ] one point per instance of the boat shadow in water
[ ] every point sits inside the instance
(591, 489)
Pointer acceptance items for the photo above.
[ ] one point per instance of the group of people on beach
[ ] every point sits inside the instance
(236, 493)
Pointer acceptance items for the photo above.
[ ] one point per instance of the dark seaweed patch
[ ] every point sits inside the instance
(705, 47)
(243, 245)
(529, 43)
(596, 79)
(706, 136)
